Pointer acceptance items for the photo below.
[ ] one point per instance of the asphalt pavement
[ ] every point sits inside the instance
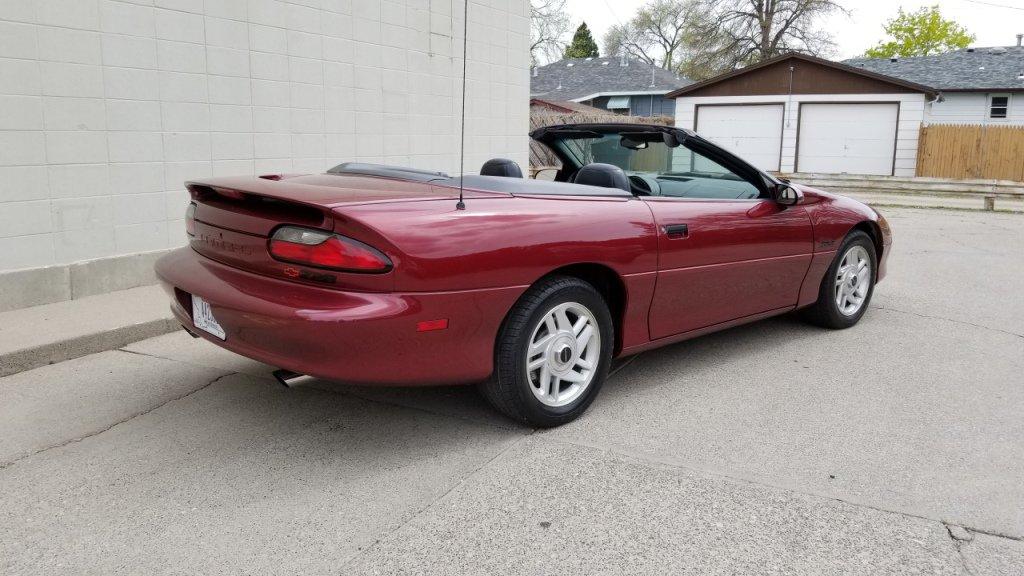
(895, 447)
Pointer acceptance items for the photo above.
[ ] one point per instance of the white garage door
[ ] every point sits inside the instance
(751, 131)
(847, 138)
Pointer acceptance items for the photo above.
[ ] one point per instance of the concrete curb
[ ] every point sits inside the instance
(53, 352)
(40, 286)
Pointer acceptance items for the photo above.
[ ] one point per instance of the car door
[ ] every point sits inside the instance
(727, 250)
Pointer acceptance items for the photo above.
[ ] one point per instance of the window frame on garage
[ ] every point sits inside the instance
(800, 117)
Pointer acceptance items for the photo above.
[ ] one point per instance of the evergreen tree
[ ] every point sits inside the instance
(583, 45)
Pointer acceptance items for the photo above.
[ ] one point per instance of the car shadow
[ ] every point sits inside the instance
(624, 376)
(688, 357)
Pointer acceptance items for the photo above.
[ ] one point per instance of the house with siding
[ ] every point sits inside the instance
(620, 85)
(975, 85)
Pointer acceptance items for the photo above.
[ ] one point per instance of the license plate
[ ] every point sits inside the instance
(202, 317)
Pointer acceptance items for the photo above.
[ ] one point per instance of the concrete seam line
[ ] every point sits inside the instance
(919, 315)
(54, 352)
(625, 364)
(648, 461)
(437, 500)
(189, 362)
(8, 464)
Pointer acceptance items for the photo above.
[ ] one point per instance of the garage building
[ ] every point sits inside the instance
(798, 113)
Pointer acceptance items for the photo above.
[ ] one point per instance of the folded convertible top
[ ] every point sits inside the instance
(522, 186)
(514, 186)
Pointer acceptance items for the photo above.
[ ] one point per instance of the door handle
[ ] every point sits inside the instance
(676, 230)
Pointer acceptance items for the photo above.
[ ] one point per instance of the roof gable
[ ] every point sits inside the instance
(809, 75)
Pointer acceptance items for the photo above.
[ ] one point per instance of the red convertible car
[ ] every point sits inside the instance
(648, 235)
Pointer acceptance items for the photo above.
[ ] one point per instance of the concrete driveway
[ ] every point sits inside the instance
(896, 447)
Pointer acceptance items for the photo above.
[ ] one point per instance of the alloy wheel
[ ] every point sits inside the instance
(562, 357)
(853, 280)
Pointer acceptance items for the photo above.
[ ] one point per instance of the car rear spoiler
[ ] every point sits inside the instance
(385, 171)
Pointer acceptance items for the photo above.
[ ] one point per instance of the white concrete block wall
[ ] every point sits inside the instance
(108, 106)
(972, 108)
(911, 115)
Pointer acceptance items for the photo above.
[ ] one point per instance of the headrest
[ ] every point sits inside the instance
(501, 167)
(603, 175)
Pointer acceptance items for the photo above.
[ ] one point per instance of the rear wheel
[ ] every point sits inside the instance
(848, 284)
(552, 353)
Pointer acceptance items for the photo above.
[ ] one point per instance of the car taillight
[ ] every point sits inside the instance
(190, 219)
(326, 250)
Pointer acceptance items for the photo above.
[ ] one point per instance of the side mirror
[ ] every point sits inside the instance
(788, 195)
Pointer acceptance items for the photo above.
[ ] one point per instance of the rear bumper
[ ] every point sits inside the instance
(357, 337)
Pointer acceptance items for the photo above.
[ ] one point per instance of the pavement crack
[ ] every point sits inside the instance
(960, 537)
(930, 317)
(147, 355)
(995, 534)
(9, 463)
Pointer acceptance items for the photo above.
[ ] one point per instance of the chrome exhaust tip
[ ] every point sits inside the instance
(290, 379)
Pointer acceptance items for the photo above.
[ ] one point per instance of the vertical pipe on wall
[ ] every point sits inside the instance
(789, 98)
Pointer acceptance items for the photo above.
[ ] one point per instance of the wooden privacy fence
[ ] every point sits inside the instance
(971, 151)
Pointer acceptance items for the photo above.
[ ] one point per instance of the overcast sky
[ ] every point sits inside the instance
(994, 22)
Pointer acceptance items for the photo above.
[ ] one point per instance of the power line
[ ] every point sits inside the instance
(993, 4)
(612, 12)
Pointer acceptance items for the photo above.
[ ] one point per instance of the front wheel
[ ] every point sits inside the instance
(552, 353)
(848, 284)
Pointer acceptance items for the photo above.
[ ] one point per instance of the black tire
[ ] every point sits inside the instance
(825, 311)
(509, 389)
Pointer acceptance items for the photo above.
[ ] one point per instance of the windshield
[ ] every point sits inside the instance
(655, 167)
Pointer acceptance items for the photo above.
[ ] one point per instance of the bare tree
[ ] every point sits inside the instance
(733, 33)
(657, 34)
(548, 26)
(623, 38)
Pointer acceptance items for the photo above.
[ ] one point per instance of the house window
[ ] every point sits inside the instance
(998, 106)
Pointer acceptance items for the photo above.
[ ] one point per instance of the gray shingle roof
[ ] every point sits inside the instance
(980, 69)
(579, 77)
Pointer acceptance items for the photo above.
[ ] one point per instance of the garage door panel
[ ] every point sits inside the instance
(822, 147)
(856, 130)
(751, 131)
(847, 138)
(843, 147)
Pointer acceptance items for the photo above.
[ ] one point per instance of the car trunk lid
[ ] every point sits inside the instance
(235, 217)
